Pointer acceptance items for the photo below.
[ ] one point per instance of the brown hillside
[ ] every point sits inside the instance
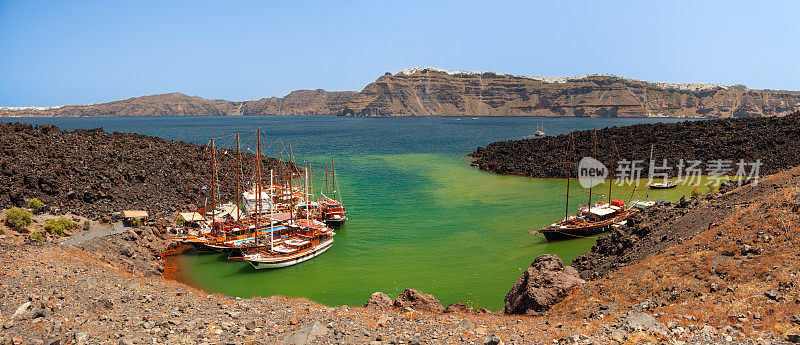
(739, 275)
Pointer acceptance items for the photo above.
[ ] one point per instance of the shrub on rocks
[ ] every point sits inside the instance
(86, 225)
(57, 226)
(180, 221)
(37, 236)
(17, 218)
(36, 205)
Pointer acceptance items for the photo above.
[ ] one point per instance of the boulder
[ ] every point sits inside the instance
(414, 299)
(546, 282)
(379, 301)
(306, 335)
(465, 325)
(641, 322)
(459, 307)
(492, 340)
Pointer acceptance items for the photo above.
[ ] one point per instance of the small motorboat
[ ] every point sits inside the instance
(643, 204)
(662, 185)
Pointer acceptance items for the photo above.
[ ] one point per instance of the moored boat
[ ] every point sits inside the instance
(662, 185)
(590, 220)
(539, 130)
(643, 204)
(307, 239)
(274, 225)
(333, 212)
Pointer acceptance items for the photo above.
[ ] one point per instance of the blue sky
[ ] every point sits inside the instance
(54, 53)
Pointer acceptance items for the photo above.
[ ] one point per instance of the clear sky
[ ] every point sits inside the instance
(60, 52)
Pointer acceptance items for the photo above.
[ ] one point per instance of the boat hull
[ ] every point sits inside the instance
(335, 223)
(201, 247)
(260, 265)
(569, 234)
(657, 186)
(557, 233)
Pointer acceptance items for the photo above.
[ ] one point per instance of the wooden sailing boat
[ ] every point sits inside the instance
(306, 239)
(333, 212)
(590, 220)
(230, 229)
(270, 227)
(540, 130)
(666, 184)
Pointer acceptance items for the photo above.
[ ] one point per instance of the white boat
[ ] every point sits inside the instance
(662, 185)
(287, 255)
(643, 204)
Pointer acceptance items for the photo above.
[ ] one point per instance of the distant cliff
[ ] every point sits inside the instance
(429, 91)
(303, 102)
(436, 92)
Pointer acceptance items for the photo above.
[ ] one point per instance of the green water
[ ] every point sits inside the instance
(420, 216)
(433, 223)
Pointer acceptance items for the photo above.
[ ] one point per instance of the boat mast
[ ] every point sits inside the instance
(280, 154)
(213, 186)
(326, 180)
(594, 153)
(258, 181)
(238, 182)
(333, 172)
(571, 149)
(291, 184)
(271, 209)
(611, 173)
(305, 191)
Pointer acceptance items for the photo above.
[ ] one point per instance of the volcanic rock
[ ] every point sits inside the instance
(638, 322)
(459, 307)
(773, 142)
(379, 301)
(94, 174)
(414, 299)
(546, 282)
(306, 335)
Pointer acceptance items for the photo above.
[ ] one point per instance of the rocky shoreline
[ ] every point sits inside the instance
(775, 141)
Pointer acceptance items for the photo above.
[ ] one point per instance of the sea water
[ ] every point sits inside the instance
(420, 216)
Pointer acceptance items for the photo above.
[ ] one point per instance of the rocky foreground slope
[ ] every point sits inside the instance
(430, 91)
(93, 173)
(773, 141)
